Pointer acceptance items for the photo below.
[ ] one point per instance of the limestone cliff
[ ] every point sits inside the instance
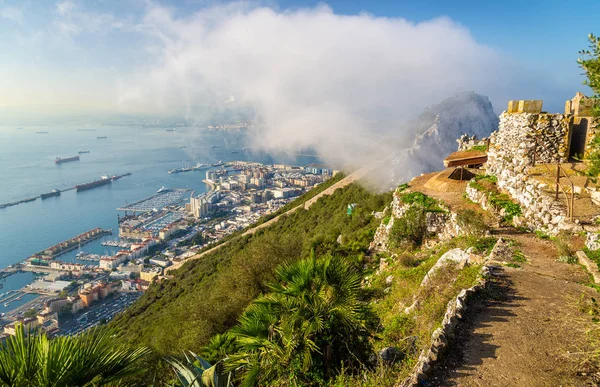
(437, 129)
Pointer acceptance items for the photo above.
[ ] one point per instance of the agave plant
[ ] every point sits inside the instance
(200, 373)
(91, 359)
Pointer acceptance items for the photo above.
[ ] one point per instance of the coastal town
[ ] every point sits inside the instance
(154, 233)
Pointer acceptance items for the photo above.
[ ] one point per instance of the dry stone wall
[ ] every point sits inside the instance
(521, 139)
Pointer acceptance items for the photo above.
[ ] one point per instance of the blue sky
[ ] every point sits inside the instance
(78, 55)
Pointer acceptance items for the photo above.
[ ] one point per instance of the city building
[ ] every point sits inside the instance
(94, 292)
(150, 273)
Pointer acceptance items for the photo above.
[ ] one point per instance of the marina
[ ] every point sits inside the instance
(163, 198)
(196, 167)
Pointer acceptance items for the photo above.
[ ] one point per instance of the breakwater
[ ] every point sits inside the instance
(34, 198)
(71, 244)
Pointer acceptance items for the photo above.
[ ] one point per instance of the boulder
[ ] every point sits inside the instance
(454, 256)
(390, 355)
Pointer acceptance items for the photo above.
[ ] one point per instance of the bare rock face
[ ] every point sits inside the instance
(437, 129)
(455, 256)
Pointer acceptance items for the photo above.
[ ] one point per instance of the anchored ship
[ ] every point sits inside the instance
(83, 151)
(101, 137)
(54, 192)
(59, 160)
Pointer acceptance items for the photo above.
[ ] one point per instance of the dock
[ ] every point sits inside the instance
(158, 201)
(70, 244)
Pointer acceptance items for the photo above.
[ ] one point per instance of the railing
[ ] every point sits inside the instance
(570, 199)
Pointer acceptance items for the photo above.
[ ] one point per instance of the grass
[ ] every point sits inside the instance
(427, 202)
(499, 200)
(594, 255)
(412, 332)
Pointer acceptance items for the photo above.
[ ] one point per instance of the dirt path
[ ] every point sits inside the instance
(526, 332)
(524, 335)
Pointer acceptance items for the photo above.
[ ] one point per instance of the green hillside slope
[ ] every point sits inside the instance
(207, 295)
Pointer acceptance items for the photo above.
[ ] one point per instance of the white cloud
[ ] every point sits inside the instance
(64, 8)
(12, 13)
(313, 77)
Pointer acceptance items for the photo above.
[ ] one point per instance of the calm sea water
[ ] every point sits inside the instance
(27, 169)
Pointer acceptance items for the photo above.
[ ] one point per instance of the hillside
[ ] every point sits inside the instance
(207, 295)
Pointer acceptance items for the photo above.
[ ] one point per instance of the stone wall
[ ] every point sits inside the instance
(522, 138)
(466, 142)
(540, 212)
(441, 337)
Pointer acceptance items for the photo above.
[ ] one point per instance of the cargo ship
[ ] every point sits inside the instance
(42, 132)
(171, 130)
(66, 160)
(54, 192)
(83, 151)
(101, 137)
(93, 184)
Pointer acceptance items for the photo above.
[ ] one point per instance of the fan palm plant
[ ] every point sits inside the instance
(311, 323)
(90, 359)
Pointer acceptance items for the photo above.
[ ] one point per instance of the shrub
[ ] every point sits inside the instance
(563, 245)
(471, 222)
(421, 199)
(399, 327)
(406, 259)
(411, 228)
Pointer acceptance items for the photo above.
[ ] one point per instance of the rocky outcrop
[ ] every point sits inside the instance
(441, 223)
(436, 131)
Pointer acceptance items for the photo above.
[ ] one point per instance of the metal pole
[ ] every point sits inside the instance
(557, 177)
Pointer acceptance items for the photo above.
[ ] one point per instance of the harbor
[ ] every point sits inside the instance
(163, 198)
(63, 247)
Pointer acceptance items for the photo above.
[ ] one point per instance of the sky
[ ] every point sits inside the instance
(338, 61)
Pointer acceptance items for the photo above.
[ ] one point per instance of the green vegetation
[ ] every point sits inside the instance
(500, 201)
(563, 244)
(594, 255)
(410, 228)
(471, 222)
(312, 323)
(590, 63)
(481, 148)
(207, 295)
(541, 234)
(418, 198)
(30, 359)
(410, 332)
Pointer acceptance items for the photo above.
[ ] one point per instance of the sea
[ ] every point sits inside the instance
(27, 169)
